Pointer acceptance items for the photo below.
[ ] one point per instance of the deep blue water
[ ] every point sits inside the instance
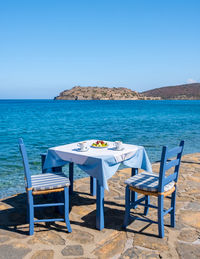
(47, 123)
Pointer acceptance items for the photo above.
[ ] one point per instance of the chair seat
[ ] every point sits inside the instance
(49, 181)
(147, 182)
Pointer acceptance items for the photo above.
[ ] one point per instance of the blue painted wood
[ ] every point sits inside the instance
(169, 178)
(163, 180)
(66, 197)
(71, 178)
(173, 206)
(138, 202)
(54, 169)
(149, 205)
(48, 220)
(100, 207)
(174, 151)
(93, 184)
(167, 211)
(166, 153)
(134, 195)
(171, 164)
(48, 205)
(31, 213)
(179, 157)
(162, 170)
(25, 162)
(30, 202)
(147, 201)
(127, 207)
(43, 157)
(161, 216)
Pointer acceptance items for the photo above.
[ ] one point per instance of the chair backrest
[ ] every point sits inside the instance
(167, 163)
(25, 163)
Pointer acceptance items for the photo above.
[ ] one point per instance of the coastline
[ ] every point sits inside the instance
(178, 92)
(48, 123)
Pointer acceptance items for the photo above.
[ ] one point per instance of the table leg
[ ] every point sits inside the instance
(134, 194)
(93, 183)
(71, 177)
(43, 157)
(50, 170)
(100, 207)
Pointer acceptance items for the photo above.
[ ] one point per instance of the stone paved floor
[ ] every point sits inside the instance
(139, 241)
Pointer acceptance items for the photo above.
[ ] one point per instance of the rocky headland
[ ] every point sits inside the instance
(178, 92)
(101, 93)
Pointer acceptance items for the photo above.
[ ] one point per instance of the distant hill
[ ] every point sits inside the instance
(186, 91)
(100, 93)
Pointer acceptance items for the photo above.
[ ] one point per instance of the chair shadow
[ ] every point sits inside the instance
(189, 162)
(114, 219)
(14, 218)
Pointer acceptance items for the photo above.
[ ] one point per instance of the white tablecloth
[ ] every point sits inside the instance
(99, 163)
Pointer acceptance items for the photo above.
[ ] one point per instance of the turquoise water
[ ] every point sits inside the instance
(47, 123)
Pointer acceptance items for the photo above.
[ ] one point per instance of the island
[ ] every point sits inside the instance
(178, 92)
(101, 93)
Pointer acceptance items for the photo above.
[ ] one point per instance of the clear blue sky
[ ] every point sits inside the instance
(47, 46)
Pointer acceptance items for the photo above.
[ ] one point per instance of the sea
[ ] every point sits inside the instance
(48, 123)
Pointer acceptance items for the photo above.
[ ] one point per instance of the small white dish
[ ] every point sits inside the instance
(99, 147)
(118, 145)
(82, 150)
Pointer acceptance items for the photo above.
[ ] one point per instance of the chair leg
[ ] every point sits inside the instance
(173, 205)
(66, 196)
(134, 195)
(127, 206)
(27, 210)
(31, 213)
(147, 201)
(161, 216)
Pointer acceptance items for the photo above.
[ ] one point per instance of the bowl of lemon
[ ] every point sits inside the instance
(99, 144)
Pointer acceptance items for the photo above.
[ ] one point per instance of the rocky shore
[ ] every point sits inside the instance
(138, 241)
(101, 93)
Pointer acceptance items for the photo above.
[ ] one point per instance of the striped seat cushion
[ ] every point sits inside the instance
(147, 182)
(49, 181)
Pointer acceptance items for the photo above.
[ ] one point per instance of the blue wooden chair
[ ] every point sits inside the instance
(161, 186)
(44, 184)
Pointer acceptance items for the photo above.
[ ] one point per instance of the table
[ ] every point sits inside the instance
(100, 164)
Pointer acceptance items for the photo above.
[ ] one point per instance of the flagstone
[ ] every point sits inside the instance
(82, 237)
(111, 246)
(75, 250)
(188, 251)
(43, 254)
(13, 251)
(189, 235)
(191, 219)
(47, 237)
(4, 239)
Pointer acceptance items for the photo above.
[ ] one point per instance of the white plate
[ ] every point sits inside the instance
(99, 147)
(84, 150)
